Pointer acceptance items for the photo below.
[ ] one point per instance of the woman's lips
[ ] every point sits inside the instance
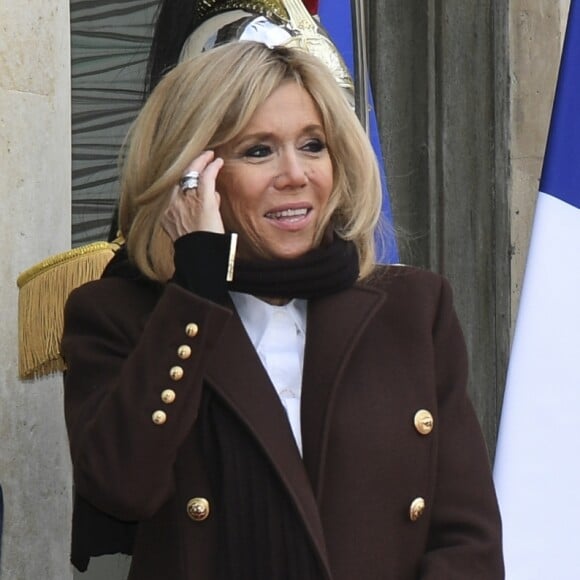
(292, 218)
(288, 214)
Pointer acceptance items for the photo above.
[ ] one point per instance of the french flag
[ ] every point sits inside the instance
(336, 17)
(537, 467)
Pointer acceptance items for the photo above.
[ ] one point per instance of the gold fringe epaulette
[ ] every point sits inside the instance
(43, 291)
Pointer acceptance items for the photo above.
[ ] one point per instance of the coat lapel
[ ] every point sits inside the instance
(335, 324)
(236, 373)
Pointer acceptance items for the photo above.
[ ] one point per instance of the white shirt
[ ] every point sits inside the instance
(278, 334)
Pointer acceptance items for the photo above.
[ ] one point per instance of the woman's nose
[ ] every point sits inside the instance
(291, 171)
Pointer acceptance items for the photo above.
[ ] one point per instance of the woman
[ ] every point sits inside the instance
(308, 419)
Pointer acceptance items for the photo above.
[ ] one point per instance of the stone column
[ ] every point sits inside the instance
(34, 223)
(536, 35)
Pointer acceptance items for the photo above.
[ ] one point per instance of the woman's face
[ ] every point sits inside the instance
(277, 177)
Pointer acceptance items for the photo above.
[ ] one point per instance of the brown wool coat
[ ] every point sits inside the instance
(375, 354)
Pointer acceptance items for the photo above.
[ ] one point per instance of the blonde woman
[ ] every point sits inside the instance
(247, 395)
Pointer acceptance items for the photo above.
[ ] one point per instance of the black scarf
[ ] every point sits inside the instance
(322, 271)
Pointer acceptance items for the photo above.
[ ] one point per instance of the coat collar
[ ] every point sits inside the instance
(335, 324)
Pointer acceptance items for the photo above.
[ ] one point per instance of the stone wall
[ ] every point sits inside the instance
(34, 223)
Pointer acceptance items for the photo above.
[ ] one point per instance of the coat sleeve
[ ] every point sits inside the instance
(123, 349)
(465, 529)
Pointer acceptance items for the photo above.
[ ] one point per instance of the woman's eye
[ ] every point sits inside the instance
(258, 151)
(314, 146)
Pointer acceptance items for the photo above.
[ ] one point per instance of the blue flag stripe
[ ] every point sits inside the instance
(561, 173)
(336, 18)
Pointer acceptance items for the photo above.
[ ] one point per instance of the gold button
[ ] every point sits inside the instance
(176, 373)
(198, 509)
(423, 422)
(191, 329)
(168, 396)
(184, 352)
(159, 417)
(416, 509)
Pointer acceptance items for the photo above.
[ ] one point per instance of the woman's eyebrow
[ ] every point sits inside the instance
(265, 135)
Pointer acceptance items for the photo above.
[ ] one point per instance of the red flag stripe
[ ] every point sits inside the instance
(312, 6)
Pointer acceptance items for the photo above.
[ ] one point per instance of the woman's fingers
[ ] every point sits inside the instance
(198, 165)
(207, 178)
(205, 199)
(197, 208)
(207, 183)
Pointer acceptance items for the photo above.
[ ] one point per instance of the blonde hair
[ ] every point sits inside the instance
(208, 101)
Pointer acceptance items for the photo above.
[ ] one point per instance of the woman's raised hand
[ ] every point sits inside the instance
(196, 209)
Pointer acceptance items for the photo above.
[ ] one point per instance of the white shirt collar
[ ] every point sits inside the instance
(256, 314)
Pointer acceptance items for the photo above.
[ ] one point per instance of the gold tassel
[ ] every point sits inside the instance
(44, 289)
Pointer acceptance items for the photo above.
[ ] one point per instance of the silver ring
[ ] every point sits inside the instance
(189, 181)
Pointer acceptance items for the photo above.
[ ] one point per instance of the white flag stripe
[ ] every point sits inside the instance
(537, 471)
